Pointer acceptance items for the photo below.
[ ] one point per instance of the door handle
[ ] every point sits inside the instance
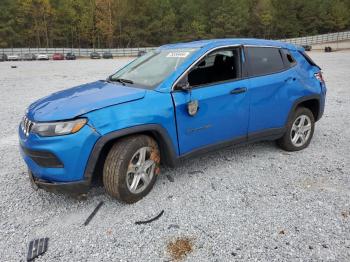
(290, 79)
(238, 90)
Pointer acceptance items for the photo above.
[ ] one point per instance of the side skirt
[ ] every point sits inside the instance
(270, 134)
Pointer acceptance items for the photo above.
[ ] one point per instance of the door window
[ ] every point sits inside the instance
(264, 60)
(218, 66)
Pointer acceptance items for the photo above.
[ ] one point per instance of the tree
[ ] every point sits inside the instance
(134, 23)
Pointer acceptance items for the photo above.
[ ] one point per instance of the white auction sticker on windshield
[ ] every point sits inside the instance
(178, 54)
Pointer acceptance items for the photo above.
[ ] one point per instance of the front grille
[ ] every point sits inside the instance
(26, 125)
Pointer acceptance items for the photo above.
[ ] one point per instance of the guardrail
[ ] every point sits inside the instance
(125, 52)
(80, 52)
(319, 39)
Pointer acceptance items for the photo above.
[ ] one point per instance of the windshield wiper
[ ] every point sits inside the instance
(121, 80)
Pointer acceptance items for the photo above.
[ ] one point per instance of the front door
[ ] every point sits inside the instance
(215, 108)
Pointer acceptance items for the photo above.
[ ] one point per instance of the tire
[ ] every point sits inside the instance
(123, 168)
(286, 142)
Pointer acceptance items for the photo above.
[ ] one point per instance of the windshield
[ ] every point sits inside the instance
(152, 68)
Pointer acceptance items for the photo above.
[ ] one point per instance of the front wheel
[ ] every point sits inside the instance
(131, 168)
(300, 130)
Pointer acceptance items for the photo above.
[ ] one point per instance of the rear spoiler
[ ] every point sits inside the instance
(308, 59)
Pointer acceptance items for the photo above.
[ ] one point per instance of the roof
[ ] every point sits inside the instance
(230, 41)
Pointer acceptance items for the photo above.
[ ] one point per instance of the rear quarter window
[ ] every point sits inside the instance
(264, 60)
(288, 58)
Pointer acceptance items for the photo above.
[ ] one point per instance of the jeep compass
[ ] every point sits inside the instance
(174, 102)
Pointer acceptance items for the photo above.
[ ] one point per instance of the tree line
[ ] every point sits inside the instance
(142, 23)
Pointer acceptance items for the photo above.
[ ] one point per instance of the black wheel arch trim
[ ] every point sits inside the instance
(303, 99)
(165, 143)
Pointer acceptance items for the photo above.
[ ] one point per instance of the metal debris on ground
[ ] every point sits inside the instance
(170, 178)
(93, 213)
(173, 226)
(37, 247)
(150, 220)
(13, 66)
(196, 172)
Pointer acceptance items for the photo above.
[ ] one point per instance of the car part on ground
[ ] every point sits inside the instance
(37, 247)
(150, 220)
(95, 55)
(91, 216)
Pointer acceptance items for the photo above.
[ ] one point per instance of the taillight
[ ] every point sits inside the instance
(319, 77)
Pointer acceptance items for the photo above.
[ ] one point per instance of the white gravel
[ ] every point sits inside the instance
(251, 203)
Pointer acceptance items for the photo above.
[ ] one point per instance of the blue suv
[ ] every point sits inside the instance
(177, 101)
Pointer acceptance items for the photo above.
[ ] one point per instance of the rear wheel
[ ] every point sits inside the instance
(300, 130)
(131, 168)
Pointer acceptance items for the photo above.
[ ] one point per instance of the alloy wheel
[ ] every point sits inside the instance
(140, 171)
(301, 130)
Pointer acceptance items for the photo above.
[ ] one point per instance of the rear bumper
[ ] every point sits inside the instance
(322, 101)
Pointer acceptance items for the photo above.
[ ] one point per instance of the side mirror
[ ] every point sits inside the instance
(183, 84)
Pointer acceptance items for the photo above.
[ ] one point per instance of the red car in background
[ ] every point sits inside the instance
(58, 56)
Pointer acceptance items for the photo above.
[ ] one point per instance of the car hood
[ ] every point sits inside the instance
(82, 99)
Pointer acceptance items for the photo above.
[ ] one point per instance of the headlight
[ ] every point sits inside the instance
(58, 128)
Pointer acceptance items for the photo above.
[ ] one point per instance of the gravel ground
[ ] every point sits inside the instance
(252, 203)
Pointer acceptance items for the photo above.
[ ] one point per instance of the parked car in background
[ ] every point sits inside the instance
(208, 94)
(107, 55)
(28, 57)
(70, 56)
(3, 57)
(328, 49)
(95, 55)
(57, 56)
(141, 53)
(42, 57)
(13, 57)
(307, 47)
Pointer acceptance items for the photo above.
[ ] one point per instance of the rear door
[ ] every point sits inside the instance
(219, 101)
(270, 88)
